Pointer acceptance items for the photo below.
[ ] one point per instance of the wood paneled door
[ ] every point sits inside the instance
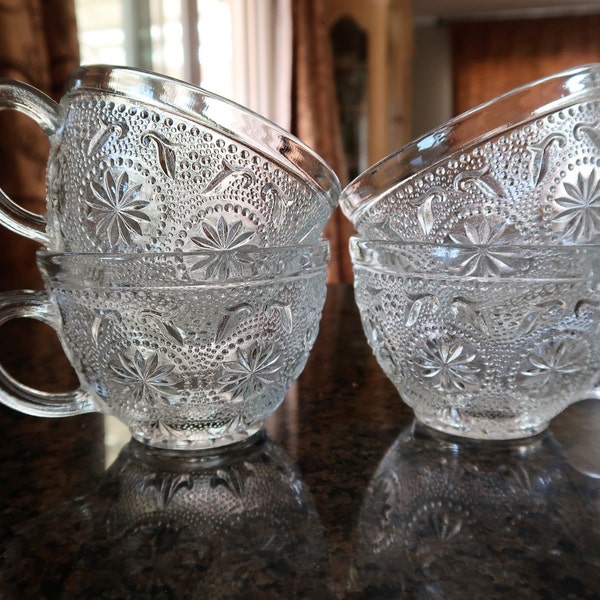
(493, 57)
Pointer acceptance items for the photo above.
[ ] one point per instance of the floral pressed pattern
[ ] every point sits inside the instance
(580, 208)
(227, 178)
(223, 236)
(554, 358)
(165, 149)
(482, 253)
(254, 368)
(448, 364)
(146, 378)
(235, 478)
(116, 207)
(115, 129)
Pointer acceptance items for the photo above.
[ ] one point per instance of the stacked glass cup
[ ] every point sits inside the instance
(477, 260)
(183, 256)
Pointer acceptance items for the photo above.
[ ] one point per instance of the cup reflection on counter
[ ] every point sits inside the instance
(239, 524)
(446, 517)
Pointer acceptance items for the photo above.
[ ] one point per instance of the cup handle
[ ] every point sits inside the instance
(45, 112)
(36, 305)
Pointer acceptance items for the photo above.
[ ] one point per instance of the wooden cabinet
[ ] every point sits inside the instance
(491, 57)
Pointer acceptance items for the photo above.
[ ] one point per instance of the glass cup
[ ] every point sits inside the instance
(482, 342)
(143, 163)
(523, 168)
(190, 351)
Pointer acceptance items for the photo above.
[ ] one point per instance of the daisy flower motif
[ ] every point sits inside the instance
(553, 359)
(221, 240)
(253, 369)
(223, 235)
(116, 207)
(580, 208)
(448, 364)
(146, 378)
(482, 253)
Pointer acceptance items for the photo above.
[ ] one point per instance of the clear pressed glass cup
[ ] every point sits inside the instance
(482, 342)
(189, 350)
(523, 168)
(140, 162)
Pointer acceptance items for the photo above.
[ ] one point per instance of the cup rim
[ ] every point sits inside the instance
(357, 242)
(246, 265)
(474, 126)
(212, 110)
(460, 261)
(319, 247)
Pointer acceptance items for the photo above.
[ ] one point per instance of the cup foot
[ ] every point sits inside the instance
(198, 444)
(483, 428)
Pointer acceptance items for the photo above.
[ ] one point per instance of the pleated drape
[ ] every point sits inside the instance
(39, 45)
(315, 118)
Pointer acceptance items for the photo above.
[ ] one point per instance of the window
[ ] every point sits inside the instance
(193, 40)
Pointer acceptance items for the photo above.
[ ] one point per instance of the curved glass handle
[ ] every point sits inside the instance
(36, 305)
(46, 113)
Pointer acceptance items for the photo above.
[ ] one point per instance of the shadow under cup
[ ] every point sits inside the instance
(189, 350)
(486, 342)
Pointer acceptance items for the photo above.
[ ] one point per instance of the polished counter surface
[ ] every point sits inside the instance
(343, 497)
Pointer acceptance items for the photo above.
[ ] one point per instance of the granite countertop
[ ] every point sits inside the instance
(343, 497)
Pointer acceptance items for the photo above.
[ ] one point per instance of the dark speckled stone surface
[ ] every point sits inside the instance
(344, 497)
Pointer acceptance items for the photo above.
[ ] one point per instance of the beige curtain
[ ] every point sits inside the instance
(315, 118)
(39, 46)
